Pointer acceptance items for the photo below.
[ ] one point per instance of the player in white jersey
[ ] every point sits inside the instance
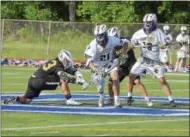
(100, 57)
(150, 39)
(182, 53)
(164, 53)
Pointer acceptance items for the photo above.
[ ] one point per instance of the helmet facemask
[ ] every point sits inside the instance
(102, 39)
(149, 26)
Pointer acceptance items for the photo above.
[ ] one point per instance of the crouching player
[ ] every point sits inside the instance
(53, 73)
(123, 71)
(99, 54)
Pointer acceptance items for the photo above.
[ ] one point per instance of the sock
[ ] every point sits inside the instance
(146, 98)
(116, 98)
(130, 94)
(101, 95)
(68, 96)
(170, 98)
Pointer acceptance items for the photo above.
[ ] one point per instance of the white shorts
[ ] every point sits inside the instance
(154, 70)
(164, 55)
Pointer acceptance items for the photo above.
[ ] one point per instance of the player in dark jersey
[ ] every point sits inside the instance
(124, 69)
(53, 73)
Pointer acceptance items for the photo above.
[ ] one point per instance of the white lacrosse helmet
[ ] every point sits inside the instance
(183, 29)
(149, 22)
(114, 32)
(166, 29)
(65, 58)
(101, 35)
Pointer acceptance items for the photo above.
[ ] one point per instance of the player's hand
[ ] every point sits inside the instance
(79, 78)
(85, 85)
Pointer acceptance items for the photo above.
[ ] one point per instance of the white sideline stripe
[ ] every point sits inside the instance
(35, 133)
(97, 113)
(96, 108)
(91, 124)
(16, 94)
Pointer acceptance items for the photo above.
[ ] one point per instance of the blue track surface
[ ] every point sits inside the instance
(108, 110)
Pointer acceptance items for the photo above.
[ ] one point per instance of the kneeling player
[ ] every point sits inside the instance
(49, 76)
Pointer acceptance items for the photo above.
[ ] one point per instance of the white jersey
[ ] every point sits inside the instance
(183, 39)
(99, 55)
(155, 38)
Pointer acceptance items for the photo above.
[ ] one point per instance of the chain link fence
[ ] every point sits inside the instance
(43, 39)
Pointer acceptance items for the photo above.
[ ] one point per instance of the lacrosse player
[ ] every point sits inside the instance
(150, 39)
(100, 59)
(182, 53)
(124, 69)
(53, 73)
(164, 53)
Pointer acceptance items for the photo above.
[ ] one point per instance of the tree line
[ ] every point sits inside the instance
(176, 12)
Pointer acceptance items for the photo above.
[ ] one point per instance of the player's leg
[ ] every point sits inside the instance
(122, 74)
(100, 83)
(167, 91)
(110, 92)
(115, 87)
(158, 71)
(66, 91)
(33, 90)
(143, 91)
(135, 71)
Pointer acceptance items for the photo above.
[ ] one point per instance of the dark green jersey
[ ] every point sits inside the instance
(51, 67)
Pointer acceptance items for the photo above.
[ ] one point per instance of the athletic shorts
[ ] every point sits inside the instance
(124, 71)
(36, 85)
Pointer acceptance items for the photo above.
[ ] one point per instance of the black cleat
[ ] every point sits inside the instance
(172, 103)
(9, 100)
(130, 100)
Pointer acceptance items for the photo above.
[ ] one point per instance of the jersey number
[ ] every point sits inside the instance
(105, 57)
(49, 65)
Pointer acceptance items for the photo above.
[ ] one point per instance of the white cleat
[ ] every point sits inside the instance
(117, 104)
(150, 103)
(72, 102)
(101, 101)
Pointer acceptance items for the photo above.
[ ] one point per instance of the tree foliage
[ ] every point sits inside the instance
(98, 11)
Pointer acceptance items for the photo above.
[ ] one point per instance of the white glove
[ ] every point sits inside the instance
(80, 80)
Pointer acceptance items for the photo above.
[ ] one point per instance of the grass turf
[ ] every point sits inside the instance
(14, 80)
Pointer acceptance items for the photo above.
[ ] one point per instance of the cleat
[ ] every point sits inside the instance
(72, 102)
(9, 100)
(172, 103)
(150, 103)
(110, 101)
(130, 100)
(101, 101)
(117, 104)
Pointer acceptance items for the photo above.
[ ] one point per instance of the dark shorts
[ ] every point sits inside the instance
(124, 71)
(36, 85)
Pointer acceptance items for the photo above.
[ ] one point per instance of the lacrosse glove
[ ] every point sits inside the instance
(80, 80)
(63, 76)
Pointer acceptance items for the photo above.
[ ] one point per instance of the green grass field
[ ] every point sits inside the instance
(14, 80)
